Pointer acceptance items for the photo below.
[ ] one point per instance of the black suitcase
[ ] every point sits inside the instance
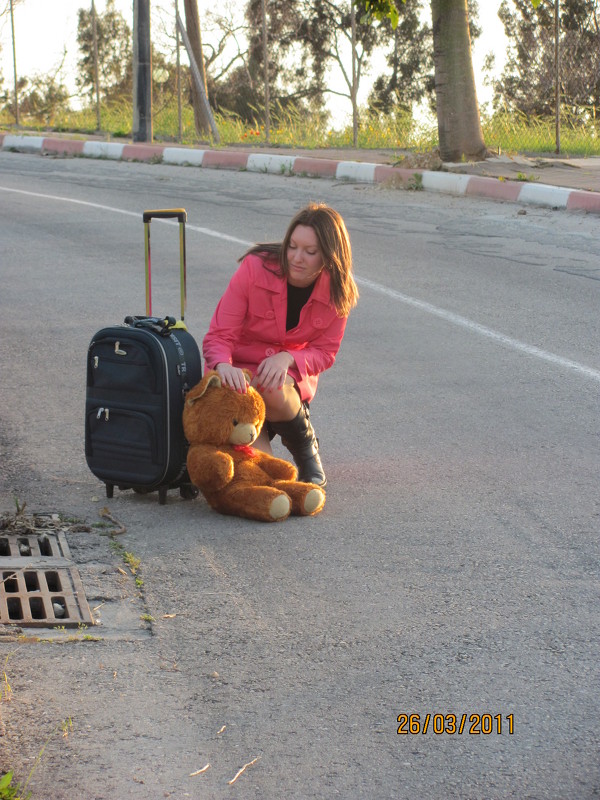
(138, 374)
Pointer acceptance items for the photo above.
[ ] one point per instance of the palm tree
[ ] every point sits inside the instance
(459, 126)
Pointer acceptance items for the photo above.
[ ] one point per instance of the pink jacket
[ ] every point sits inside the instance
(249, 325)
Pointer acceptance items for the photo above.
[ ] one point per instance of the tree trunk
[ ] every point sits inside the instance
(192, 25)
(459, 126)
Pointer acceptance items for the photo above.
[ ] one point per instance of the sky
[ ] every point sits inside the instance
(44, 28)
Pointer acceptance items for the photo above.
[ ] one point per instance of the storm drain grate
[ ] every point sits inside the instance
(44, 545)
(39, 586)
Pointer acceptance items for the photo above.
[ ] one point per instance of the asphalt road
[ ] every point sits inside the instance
(454, 569)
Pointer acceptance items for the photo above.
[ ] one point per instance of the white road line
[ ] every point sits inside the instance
(475, 327)
(137, 214)
(449, 316)
(209, 232)
(70, 200)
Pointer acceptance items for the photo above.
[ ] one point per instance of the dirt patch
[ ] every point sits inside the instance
(22, 524)
(430, 161)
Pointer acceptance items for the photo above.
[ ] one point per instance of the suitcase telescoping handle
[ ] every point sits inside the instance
(165, 213)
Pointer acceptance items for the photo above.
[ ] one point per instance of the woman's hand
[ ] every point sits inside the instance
(272, 372)
(232, 376)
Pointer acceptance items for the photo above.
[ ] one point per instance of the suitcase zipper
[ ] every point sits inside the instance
(168, 398)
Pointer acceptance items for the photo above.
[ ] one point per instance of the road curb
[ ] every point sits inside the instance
(352, 171)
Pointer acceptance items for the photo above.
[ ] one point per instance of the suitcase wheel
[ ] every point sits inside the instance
(110, 489)
(162, 492)
(188, 491)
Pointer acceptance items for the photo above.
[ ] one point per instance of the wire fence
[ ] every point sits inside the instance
(50, 100)
(506, 131)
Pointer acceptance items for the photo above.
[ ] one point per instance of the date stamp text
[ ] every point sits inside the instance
(469, 724)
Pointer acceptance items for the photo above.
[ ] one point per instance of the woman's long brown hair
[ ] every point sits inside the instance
(334, 244)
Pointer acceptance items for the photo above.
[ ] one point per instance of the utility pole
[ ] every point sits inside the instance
(266, 66)
(142, 72)
(179, 116)
(95, 51)
(353, 89)
(14, 49)
(557, 69)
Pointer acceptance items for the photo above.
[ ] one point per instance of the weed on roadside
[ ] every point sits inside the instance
(18, 791)
(25, 524)
(521, 176)
(128, 558)
(5, 688)
(415, 184)
(10, 792)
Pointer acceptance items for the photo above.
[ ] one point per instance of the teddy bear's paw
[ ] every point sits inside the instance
(314, 501)
(280, 507)
(307, 499)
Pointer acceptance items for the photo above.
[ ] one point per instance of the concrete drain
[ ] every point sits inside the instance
(39, 586)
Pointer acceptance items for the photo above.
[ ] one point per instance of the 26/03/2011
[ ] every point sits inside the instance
(471, 724)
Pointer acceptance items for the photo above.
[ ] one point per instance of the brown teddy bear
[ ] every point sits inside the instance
(220, 424)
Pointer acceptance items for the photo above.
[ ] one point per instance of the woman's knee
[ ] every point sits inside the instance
(282, 404)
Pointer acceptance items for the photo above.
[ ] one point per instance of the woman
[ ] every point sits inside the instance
(283, 317)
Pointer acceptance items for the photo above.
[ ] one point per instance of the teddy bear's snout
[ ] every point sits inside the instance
(243, 433)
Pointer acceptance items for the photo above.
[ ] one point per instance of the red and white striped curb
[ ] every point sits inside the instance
(355, 171)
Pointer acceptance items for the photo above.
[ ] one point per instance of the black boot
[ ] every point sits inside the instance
(299, 437)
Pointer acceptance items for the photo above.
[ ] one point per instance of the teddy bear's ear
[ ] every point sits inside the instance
(210, 379)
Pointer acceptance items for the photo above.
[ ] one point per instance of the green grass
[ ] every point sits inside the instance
(514, 132)
(506, 131)
(10, 792)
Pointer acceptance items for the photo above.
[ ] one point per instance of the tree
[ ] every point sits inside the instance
(454, 71)
(307, 38)
(165, 80)
(115, 62)
(291, 75)
(227, 41)
(296, 75)
(459, 126)
(9, 11)
(41, 97)
(224, 46)
(236, 93)
(338, 41)
(410, 61)
(194, 32)
(527, 82)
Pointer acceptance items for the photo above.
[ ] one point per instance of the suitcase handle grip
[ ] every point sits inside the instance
(165, 213)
